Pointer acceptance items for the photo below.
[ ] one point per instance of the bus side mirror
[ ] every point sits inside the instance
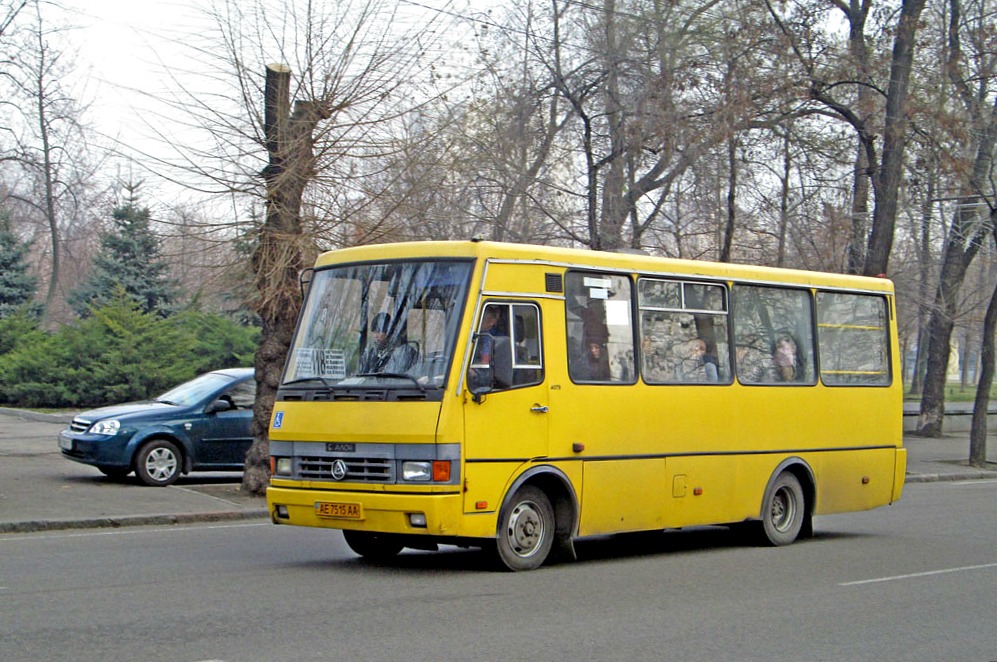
(497, 374)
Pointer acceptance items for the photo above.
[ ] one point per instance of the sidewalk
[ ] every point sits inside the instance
(40, 490)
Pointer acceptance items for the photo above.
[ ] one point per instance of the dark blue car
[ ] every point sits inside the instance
(203, 425)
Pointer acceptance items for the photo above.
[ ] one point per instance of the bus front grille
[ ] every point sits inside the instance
(362, 470)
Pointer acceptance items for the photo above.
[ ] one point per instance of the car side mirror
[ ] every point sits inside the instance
(217, 406)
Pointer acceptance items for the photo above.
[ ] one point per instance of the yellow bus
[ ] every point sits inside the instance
(520, 397)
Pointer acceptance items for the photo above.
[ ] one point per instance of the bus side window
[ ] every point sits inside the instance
(853, 339)
(683, 329)
(527, 366)
(508, 349)
(773, 335)
(600, 328)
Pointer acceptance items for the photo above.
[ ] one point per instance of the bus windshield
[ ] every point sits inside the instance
(380, 324)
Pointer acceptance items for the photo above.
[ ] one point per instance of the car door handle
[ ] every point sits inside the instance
(539, 409)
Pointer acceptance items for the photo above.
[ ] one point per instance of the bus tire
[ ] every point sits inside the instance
(526, 530)
(783, 512)
(158, 463)
(373, 546)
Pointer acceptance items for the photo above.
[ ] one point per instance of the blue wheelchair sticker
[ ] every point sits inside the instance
(278, 419)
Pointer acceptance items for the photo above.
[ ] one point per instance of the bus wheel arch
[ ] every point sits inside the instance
(542, 496)
(788, 504)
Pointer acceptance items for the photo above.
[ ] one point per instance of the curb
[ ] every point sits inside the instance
(34, 526)
(980, 474)
(38, 416)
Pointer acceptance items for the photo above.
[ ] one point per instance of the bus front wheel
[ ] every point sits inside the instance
(526, 530)
(784, 511)
(374, 546)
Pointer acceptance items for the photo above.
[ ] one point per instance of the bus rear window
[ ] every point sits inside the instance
(852, 334)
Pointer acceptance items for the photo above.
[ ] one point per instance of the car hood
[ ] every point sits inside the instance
(131, 410)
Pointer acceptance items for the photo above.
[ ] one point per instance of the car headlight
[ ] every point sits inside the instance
(109, 427)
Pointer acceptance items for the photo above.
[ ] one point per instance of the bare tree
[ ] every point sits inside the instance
(886, 165)
(981, 403)
(651, 100)
(282, 140)
(895, 134)
(972, 158)
(49, 138)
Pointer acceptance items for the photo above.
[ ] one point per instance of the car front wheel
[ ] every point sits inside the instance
(158, 463)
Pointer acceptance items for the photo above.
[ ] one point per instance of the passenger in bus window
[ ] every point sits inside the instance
(784, 358)
(594, 365)
(386, 352)
(489, 328)
(699, 366)
(379, 349)
(751, 362)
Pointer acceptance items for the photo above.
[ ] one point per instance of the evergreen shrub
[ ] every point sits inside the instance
(117, 354)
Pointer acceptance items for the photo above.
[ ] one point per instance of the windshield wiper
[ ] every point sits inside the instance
(300, 380)
(168, 402)
(394, 375)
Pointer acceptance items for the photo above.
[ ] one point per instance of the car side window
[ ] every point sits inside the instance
(243, 395)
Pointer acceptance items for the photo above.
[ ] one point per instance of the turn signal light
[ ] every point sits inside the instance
(441, 471)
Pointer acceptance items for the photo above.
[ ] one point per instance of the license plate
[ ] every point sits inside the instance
(339, 510)
(65, 443)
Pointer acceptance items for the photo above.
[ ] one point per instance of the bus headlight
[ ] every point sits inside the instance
(283, 466)
(437, 471)
(417, 471)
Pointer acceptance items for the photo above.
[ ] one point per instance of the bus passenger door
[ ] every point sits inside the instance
(505, 425)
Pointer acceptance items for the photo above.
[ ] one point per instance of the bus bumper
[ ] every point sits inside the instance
(377, 512)
(899, 474)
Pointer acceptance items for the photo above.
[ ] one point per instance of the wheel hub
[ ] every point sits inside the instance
(525, 529)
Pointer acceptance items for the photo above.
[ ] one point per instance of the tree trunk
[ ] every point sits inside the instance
(48, 173)
(787, 170)
(894, 141)
(279, 255)
(859, 212)
(954, 266)
(614, 186)
(978, 431)
(924, 274)
(965, 239)
(728, 241)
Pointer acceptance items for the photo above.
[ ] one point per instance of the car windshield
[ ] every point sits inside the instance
(383, 324)
(195, 390)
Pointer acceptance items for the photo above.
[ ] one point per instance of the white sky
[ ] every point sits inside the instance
(125, 48)
(121, 42)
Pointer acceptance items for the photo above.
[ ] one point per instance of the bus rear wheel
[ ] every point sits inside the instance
(374, 546)
(526, 530)
(784, 511)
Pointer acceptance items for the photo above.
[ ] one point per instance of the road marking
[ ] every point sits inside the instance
(930, 573)
(152, 528)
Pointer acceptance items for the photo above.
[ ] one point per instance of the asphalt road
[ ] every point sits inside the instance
(913, 581)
